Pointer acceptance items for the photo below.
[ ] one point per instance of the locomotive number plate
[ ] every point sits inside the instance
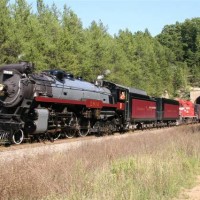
(8, 72)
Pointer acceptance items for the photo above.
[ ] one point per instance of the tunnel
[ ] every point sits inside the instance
(197, 101)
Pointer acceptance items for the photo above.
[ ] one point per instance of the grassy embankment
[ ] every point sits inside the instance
(142, 166)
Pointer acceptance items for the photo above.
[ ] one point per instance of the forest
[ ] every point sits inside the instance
(53, 38)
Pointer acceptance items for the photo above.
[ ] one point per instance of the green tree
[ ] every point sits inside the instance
(183, 40)
(9, 44)
(71, 42)
(97, 50)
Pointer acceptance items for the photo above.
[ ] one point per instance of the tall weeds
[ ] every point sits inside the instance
(147, 166)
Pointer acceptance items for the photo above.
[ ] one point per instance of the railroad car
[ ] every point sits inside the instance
(187, 111)
(142, 110)
(167, 112)
(197, 111)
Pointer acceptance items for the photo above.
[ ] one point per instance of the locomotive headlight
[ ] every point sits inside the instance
(2, 87)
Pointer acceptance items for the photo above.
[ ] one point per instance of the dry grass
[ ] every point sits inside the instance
(146, 166)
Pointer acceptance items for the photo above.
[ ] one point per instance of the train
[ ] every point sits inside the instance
(54, 103)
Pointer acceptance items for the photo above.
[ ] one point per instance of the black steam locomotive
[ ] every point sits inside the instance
(54, 103)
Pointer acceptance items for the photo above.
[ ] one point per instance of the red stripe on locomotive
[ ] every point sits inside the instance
(61, 101)
(120, 106)
(89, 103)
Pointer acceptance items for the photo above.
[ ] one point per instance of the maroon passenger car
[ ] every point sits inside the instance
(142, 110)
(167, 111)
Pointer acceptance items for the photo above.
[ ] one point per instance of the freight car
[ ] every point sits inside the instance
(54, 103)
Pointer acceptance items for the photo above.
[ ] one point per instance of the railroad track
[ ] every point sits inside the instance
(43, 143)
(67, 141)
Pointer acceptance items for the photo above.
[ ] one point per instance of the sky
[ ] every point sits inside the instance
(136, 15)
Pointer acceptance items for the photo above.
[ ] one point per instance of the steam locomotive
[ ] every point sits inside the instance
(54, 103)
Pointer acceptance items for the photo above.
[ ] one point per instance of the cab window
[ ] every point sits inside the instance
(122, 95)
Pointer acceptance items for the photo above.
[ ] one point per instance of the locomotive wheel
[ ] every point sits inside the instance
(18, 137)
(108, 128)
(69, 133)
(112, 126)
(84, 128)
(56, 136)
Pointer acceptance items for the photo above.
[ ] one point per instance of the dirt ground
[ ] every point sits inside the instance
(191, 194)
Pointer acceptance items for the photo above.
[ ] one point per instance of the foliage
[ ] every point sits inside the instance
(183, 39)
(56, 39)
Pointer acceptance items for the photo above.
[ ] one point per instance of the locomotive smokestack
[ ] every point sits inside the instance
(23, 67)
(2, 89)
(99, 81)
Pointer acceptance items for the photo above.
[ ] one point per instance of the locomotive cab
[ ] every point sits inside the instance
(120, 95)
